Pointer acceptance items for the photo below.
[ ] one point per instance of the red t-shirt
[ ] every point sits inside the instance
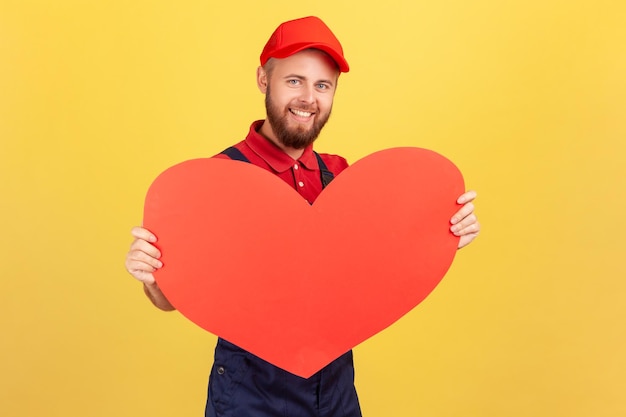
(302, 174)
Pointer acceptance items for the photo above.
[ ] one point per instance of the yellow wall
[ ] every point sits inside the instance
(528, 97)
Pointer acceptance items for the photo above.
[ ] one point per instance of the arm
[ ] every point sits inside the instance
(141, 261)
(464, 222)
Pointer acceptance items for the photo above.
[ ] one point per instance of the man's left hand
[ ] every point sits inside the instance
(464, 222)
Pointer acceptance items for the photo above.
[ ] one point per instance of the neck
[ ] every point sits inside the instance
(268, 133)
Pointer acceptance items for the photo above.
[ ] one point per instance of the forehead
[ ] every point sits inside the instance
(312, 63)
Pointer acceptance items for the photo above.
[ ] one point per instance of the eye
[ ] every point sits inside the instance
(293, 81)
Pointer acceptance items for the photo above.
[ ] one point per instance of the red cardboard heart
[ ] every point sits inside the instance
(248, 259)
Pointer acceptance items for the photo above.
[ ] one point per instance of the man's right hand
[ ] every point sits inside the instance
(143, 257)
(141, 261)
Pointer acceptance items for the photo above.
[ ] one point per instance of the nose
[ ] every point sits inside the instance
(307, 94)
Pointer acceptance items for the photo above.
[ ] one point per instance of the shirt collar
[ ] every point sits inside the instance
(278, 160)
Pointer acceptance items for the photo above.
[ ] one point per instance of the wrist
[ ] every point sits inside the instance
(157, 297)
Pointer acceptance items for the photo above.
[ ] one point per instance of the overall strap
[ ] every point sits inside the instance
(235, 154)
(325, 175)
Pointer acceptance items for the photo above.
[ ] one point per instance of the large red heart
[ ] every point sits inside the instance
(249, 260)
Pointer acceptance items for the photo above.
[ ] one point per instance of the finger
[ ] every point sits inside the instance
(143, 276)
(465, 211)
(464, 223)
(466, 240)
(467, 197)
(146, 247)
(472, 228)
(139, 268)
(144, 234)
(146, 258)
(134, 266)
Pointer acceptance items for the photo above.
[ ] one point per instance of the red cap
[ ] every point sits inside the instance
(299, 34)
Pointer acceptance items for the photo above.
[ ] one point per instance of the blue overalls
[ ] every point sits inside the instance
(244, 385)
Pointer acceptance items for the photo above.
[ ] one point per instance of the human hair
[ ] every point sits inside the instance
(269, 66)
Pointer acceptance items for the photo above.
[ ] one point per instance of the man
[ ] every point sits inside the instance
(300, 67)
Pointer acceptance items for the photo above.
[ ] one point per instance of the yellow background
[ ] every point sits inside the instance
(527, 97)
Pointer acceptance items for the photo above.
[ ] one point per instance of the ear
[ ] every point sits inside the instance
(261, 79)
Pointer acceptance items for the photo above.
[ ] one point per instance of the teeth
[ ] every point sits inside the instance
(301, 113)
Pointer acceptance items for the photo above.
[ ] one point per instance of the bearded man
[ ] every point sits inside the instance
(300, 67)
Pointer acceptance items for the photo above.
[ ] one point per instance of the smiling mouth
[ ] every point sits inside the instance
(301, 113)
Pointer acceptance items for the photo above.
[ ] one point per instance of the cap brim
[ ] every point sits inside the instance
(292, 49)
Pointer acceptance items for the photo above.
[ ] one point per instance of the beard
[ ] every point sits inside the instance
(298, 137)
